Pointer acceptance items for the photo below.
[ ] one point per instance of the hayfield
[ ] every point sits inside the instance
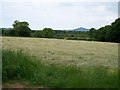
(66, 52)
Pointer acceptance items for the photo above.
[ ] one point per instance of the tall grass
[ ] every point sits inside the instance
(21, 67)
(16, 66)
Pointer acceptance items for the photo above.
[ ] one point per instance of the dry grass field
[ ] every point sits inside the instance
(67, 52)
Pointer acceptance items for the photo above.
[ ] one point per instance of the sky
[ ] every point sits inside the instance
(59, 14)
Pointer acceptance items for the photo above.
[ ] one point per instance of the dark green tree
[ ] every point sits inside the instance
(92, 33)
(116, 30)
(6, 31)
(48, 33)
(21, 29)
(108, 35)
(38, 34)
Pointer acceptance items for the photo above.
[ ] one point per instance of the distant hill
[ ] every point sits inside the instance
(80, 29)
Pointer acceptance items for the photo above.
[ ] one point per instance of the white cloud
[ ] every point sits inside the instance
(60, 0)
(59, 15)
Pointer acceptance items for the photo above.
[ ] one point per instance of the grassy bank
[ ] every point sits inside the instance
(18, 66)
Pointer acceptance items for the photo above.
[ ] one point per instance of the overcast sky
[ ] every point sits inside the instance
(62, 14)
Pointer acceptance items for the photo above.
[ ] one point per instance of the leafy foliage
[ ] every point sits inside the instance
(48, 32)
(109, 33)
(21, 29)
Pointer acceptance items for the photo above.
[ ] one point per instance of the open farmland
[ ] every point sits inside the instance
(40, 62)
(68, 52)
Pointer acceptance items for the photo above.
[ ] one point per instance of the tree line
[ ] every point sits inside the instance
(108, 33)
(21, 29)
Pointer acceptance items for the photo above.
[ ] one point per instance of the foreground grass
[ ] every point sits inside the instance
(18, 66)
